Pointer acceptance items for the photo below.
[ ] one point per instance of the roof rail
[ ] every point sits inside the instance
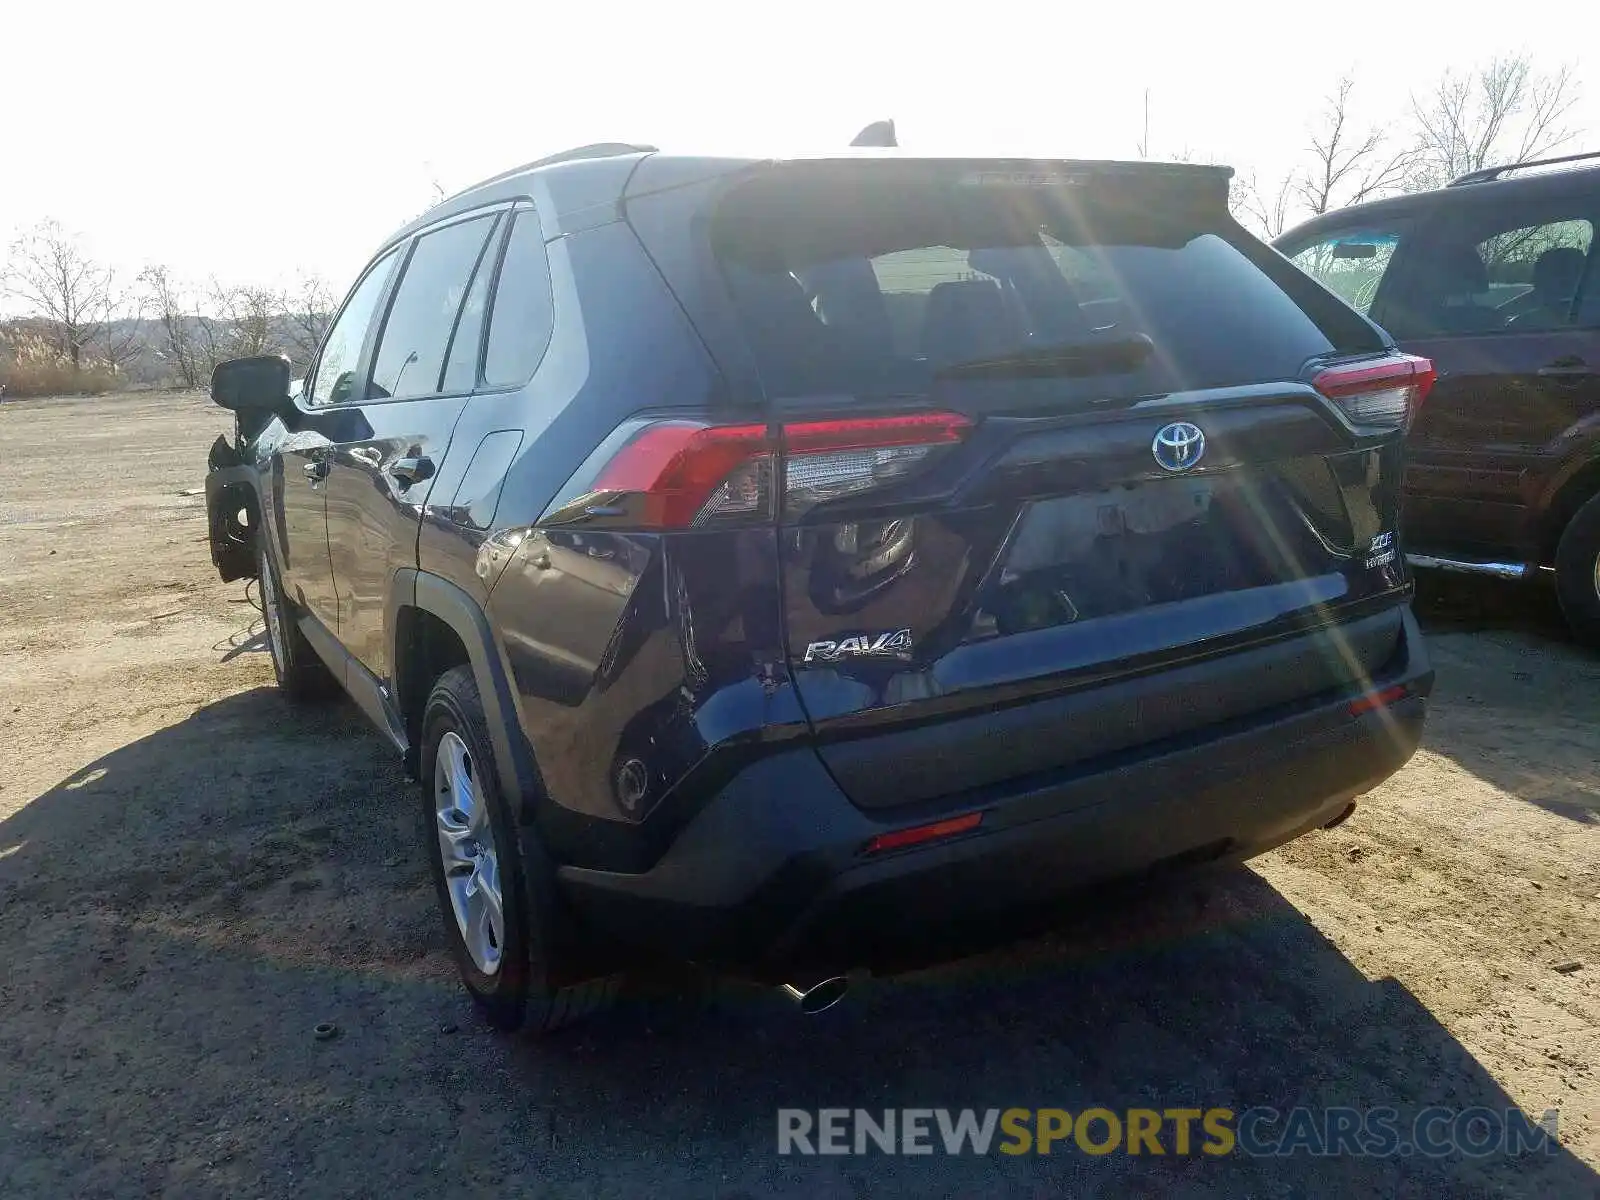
(1491, 173)
(593, 150)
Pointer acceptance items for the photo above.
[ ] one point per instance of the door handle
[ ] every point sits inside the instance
(407, 471)
(316, 471)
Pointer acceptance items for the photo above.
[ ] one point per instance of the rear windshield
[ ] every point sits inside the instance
(873, 282)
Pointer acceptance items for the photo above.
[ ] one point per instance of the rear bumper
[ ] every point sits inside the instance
(771, 877)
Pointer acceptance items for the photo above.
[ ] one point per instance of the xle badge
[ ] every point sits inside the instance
(894, 644)
(1381, 552)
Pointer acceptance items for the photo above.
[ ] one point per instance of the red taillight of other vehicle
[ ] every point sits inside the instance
(1386, 393)
(681, 474)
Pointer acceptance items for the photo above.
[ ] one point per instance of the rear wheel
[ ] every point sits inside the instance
(302, 676)
(502, 915)
(1578, 573)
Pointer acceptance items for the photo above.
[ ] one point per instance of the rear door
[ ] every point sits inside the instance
(384, 458)
(1497, 299)
(1046, 430)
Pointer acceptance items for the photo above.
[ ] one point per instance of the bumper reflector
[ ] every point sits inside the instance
(918, 834)
(1376, 700)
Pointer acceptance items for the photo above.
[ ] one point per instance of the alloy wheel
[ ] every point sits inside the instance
(469, 854)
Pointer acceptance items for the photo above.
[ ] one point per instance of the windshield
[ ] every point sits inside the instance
(872, 285)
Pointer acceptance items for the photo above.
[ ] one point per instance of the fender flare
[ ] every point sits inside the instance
(1583, 463)
(433, 594)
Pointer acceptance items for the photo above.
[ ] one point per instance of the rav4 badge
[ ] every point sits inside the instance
(891, 644)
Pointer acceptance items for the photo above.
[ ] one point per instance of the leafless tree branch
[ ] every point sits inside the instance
(307, 310)
(1349, 165)
(1267, 210)
(1499, 113)
(50, 273)
(180, 333)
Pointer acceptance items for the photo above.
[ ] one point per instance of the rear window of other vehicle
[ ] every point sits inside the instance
(871, 282)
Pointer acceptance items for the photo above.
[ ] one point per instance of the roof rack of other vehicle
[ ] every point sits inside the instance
(1492, 173)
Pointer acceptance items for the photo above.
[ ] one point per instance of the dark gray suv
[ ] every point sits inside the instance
(767, 562)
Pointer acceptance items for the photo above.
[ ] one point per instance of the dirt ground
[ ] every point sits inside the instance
(193, 875)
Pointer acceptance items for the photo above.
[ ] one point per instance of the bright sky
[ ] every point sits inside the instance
(251, 141)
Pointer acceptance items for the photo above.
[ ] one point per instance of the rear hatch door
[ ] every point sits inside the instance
(1048, 427)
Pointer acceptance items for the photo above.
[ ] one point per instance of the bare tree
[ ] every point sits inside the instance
(308, 308)
(1267, 209)
(1349, 165)
(180, 345)
(1501, 112)
(51, 273)
(252, 313)
(239, 322)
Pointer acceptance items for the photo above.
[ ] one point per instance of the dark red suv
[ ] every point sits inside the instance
(1492, 278)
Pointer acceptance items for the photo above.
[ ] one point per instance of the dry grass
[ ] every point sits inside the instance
(30, 366)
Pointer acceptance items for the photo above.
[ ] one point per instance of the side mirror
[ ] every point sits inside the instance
(259, 384)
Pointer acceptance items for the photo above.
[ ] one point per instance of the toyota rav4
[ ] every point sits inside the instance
(768, 562)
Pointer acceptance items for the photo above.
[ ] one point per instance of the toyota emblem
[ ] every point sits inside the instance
(1179, 446)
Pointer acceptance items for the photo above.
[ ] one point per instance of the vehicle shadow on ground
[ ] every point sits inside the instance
(1519, 701)
(177, 917)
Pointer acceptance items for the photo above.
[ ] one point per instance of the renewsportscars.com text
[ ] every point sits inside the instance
(1257, 1132)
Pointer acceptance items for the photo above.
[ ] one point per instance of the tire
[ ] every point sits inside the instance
(302, 676)
(1578, 573)
(516, 974)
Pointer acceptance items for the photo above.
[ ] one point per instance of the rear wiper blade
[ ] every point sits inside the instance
(1062, 358)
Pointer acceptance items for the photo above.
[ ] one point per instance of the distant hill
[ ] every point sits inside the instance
(142, 345)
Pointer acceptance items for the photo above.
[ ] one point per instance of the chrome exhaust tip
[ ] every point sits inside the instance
(818, 997)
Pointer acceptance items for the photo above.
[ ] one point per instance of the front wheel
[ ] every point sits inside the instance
(302, 676)
(1578, 573)
(501, 912)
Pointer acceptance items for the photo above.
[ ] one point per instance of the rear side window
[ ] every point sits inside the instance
(1352, 263)
(1534, 272)
(876, 283)
(522, 318)
(1499, 270)
(461, 361)
(416, 333)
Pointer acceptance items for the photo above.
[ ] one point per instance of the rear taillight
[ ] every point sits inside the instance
(683, 474)
(1386, 393)
(824, 460)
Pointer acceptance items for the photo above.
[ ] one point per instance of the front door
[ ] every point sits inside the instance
(302, 461)
(298, 505)
(424, 365)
